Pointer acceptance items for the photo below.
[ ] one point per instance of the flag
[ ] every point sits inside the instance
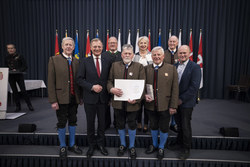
(129, 41)
(179, 45)
(87, 54)
(136, 43)
(200, 59)
(149, 39)
(191, 46)
(97, 34)
(76, 46)
(169, 33)
(107, 46)
(66, 33)
(56, 45)
(159, 39)
(119, 48)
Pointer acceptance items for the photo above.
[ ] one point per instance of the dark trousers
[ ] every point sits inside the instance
(139, 114)
(183, 120)
(107, 117)
(91, 111)
(121, 116)
(67, 113)
(18, 78)
(159, 120)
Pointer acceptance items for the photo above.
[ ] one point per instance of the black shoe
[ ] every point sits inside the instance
(90, 152)
(30, 107)
(184, 154)
(121, 151)
(75, 149)
(132, 152)
(18, 108)
(103, 150)
(150, 149)
(160, 154)
(174, 128)
(63, 153)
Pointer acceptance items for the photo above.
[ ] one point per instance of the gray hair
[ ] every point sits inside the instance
(143, 37)
(68, 38)
(157, 48)
(95, 40)
(127, 47)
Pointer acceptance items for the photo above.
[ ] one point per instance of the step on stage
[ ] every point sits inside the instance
(209, 147)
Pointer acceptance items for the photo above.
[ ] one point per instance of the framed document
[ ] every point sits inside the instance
(132, 89)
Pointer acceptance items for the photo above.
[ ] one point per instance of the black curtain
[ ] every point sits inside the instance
(31, 25)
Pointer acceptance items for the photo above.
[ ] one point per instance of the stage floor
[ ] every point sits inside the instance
(208, 117)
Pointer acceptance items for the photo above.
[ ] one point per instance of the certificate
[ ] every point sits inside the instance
(132, 89)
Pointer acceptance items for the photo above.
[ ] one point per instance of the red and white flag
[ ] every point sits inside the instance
(107, 47)
(56, 45)
(200, 59)
(149, 41)
(88, 53)
(179, 44)
(191, 46)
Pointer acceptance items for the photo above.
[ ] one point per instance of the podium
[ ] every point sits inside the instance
(4, 77)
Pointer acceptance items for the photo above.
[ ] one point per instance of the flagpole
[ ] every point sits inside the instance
(198, 99)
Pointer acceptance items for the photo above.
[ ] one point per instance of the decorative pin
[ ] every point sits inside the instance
(130, 74)
(166, 74)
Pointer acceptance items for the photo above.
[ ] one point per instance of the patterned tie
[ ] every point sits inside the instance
(98, 68)
(180, 71)
(71, 77)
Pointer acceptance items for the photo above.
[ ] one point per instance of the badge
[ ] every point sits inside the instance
(130, 74)
(166, 74)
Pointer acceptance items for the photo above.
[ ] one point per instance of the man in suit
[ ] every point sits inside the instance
(125, 69)
(189, 76)
(17, 65)
(92, 77)
(163, 102)
(115, 56)
(64, 94)
(171, 57)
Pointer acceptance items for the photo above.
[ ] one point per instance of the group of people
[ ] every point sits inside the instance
(92, 81)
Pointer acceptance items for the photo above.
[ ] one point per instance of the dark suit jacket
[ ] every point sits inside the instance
(189, 84)
(87, 77)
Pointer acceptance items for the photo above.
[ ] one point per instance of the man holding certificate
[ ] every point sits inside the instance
(126, 107)
(161, 99)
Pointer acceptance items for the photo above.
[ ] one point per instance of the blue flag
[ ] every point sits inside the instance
(76, 47)
(159, 40)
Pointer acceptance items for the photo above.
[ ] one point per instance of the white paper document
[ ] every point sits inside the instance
(150, 91)
(132, 89)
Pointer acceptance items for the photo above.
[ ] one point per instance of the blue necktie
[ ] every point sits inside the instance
(69, 60)
(156, 67)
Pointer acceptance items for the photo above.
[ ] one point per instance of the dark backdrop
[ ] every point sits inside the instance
(31, 25)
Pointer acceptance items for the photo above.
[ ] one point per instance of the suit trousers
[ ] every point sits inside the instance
(19, 79)
(67, 113)
(159, 120)
(183, 120)
(91, 111)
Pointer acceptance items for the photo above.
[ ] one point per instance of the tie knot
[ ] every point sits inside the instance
(172, 52)
(69, 60)
(156, 67)
(126, 65)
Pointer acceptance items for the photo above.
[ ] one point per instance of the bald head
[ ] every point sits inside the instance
(183, 53)
(173, 42)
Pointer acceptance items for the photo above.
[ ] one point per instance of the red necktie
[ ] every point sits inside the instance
(98, 68)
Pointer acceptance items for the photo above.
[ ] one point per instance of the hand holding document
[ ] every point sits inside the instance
(132, 89)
